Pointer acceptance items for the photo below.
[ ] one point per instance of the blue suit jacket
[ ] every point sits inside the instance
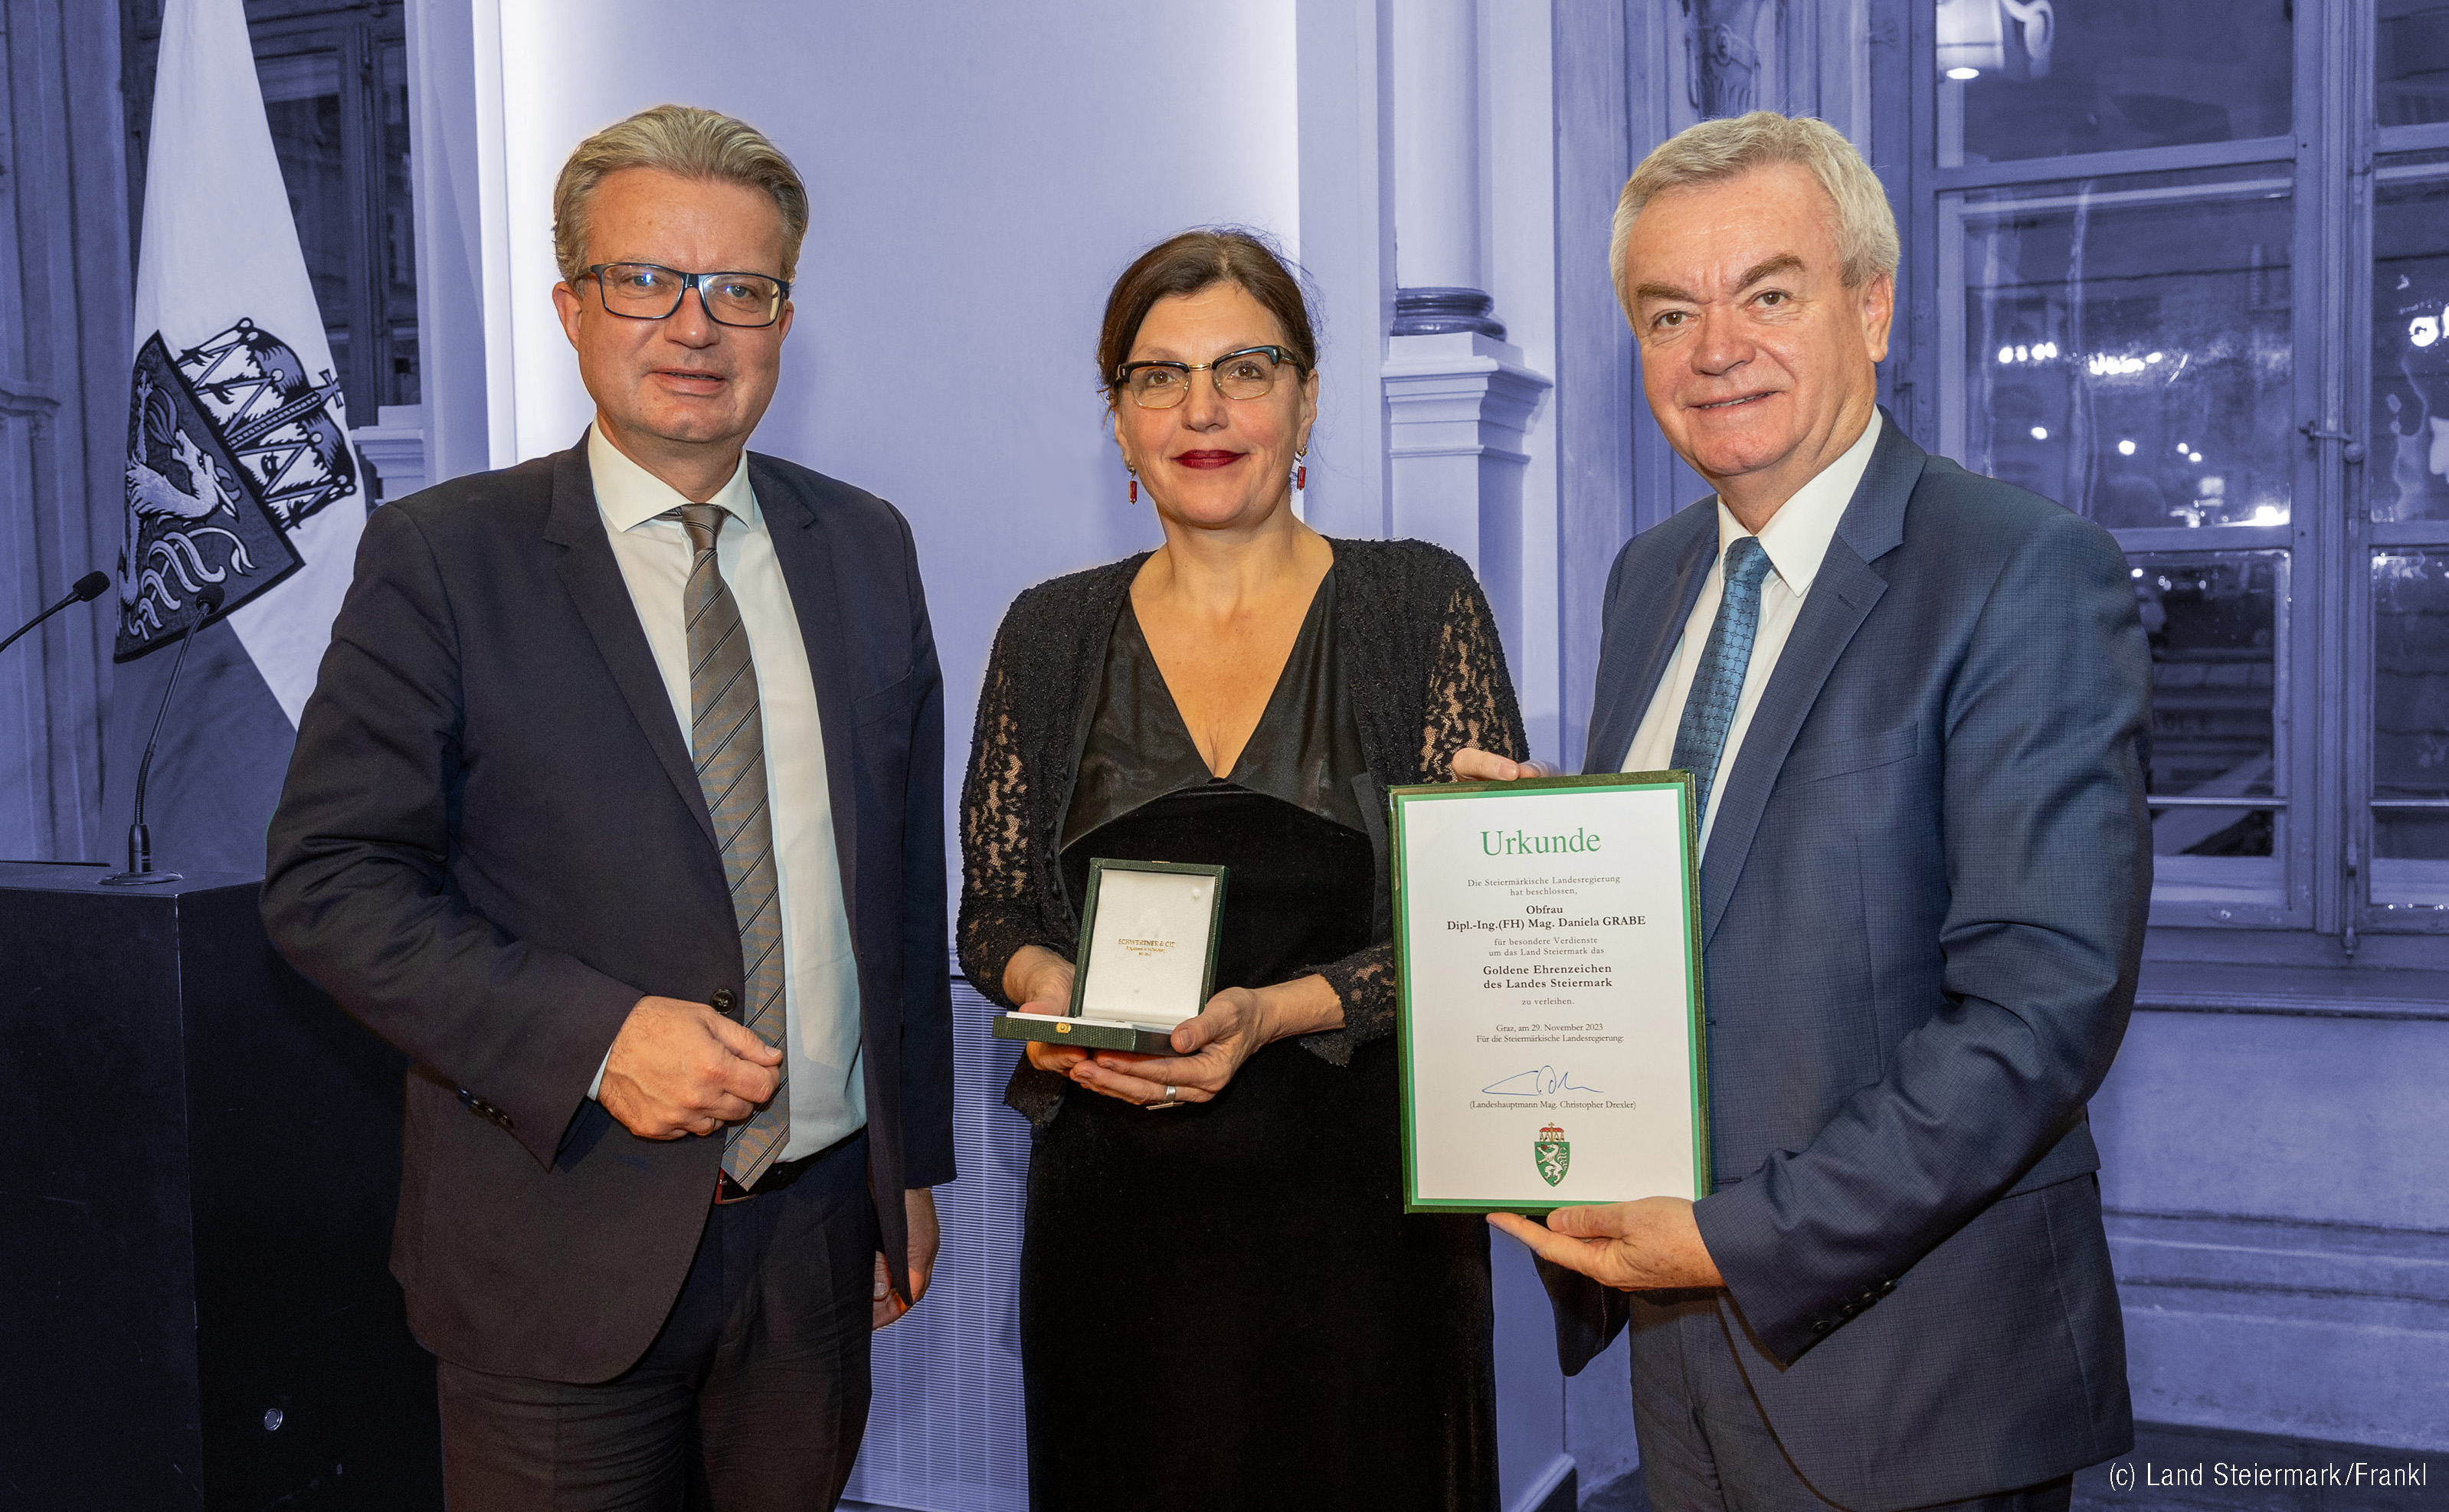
(493, 843)
(1922, 908)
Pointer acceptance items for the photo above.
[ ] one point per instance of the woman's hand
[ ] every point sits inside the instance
(1040, 982)
(1210, 1049)
(1472, 764)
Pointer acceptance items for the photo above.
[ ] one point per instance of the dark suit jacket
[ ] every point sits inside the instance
(492, 844)
(1923, 909)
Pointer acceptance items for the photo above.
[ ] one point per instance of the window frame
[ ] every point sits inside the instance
(2365, 533)
(2325, 740)
(357, 32)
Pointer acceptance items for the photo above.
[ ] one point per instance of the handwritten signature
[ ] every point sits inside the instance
(1545, 1082)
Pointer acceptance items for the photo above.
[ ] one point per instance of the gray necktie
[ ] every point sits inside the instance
(727, 738)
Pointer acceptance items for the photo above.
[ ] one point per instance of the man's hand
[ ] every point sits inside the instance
(681, 1068)
(919, 1206)
(1649, 1245)
(1472, 764)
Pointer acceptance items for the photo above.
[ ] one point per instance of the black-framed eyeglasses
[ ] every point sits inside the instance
(648, 291)
(1248, 374)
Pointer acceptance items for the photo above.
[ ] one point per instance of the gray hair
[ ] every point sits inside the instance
(702, 144)
(1717, 150)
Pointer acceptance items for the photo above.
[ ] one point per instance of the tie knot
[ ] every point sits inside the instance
(703, 521)
(1747, 563)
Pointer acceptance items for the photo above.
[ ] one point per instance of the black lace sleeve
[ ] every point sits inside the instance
(1469, 702)
(1003, 895)
(1471, 692)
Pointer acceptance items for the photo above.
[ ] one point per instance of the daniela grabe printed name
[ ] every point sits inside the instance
(1540, 916)
(1520, 842)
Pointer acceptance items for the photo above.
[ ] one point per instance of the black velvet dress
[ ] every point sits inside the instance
(1222, 1305)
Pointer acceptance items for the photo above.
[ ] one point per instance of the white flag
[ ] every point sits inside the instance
(241, 481)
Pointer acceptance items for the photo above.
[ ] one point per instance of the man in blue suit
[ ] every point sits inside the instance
(1916, 702)
(619, 809)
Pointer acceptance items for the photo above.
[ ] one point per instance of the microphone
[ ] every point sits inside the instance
(87, 588)
(139, 871)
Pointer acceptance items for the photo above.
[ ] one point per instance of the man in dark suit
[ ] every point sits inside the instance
(1915, 701)
(618, 807)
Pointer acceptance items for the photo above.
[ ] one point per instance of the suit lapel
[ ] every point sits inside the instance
(1657, 595)
(805, 553)
(593, 579)
(1842, 594)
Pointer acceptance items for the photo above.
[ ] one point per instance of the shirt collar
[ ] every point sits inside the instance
(1797, 537)
(631, 496)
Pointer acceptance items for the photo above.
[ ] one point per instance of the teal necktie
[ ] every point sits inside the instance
(1718, 683)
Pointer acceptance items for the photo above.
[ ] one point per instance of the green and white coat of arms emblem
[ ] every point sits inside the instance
(1552, 1154)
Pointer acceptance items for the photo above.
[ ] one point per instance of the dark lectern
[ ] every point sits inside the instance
(196, 1189)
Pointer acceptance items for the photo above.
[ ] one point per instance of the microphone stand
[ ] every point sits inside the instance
(88, 587)
(139, 871)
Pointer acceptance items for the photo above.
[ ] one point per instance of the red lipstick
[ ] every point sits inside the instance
(1208, 459)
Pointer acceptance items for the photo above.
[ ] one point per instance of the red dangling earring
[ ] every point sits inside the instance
(1300, 471)
(1135, 488)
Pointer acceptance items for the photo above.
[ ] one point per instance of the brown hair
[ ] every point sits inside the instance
(1195, 261)
(702, 144)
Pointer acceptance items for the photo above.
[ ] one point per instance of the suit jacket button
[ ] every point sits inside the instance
(467, 1099)
(723, 1000)
(1821, 1325)
(1887, 1287)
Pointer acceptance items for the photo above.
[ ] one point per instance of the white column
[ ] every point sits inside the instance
(398, 448)
(451, 268)
(1457, 408)
(1458, 396)
(1440, 272)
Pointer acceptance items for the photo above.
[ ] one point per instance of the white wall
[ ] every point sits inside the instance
(978, 178)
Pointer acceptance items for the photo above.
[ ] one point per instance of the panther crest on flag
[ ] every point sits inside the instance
(230, 445)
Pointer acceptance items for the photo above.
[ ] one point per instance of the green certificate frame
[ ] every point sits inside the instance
(1075, 1028)
(1545, 945)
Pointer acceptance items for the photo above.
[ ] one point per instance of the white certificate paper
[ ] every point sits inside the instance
(1552, 1034)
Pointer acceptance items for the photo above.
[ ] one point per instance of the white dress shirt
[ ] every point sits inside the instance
(1796, 538)
(820, 977)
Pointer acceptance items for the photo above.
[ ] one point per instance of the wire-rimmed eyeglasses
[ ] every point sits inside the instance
(1248, 374)
(648, 291)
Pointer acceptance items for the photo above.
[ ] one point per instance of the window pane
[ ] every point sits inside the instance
(302, 96)
(2410, 590)
(2127, 352)
(2037, 80)
(2214, 623)
(2411, 62)
(399, 229)
(2409, 472)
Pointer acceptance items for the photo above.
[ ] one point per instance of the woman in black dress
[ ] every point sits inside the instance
(1222, 1302)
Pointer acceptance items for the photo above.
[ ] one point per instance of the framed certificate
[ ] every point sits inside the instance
(1148, 958)
(1551, 1036)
